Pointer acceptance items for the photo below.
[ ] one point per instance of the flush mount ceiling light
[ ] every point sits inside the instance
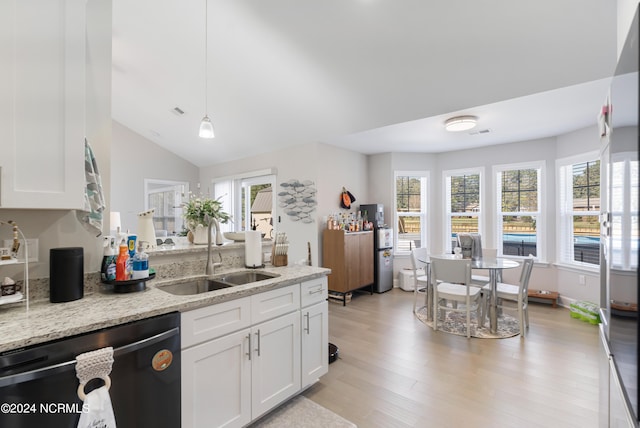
(206, 127)
(460, 123)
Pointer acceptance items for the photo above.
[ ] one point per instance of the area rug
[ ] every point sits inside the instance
(300, 412)
(456, 323)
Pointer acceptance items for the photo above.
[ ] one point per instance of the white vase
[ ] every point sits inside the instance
(216, 224)
(200, 234)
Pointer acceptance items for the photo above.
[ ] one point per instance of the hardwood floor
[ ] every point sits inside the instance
(394, 371)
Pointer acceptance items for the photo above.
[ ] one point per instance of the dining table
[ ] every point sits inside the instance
(495, 266)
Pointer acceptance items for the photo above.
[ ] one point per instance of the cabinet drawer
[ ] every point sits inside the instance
(271, 304)
(214, 321)
(313, 291)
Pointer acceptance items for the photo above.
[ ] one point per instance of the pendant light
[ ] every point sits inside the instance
(206, 127)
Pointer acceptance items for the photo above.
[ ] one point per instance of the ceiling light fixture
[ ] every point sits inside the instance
(206, 127)
(460, 123)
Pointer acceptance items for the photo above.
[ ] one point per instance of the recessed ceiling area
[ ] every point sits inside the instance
(368, 75)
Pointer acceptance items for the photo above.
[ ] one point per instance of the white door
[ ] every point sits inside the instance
(315, 342)
(275, 369)
(216, 383)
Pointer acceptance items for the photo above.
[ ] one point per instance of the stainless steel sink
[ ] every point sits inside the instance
(245, 277)
(203, 285)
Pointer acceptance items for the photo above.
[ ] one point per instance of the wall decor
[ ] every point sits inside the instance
(298, 199)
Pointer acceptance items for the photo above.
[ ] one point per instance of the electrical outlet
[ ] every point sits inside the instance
(582, 280)
(33, 249)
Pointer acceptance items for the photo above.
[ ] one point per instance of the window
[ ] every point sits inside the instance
(166, 198)
(579, 209)
(250, 200)
(624, 211)
(462, 204)
(410, 211)
(519, 218)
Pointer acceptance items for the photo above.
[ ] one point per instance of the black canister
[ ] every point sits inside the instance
(66, 274)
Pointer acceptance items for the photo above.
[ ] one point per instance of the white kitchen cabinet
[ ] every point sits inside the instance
(315, 343)
(315, 330)
(42, 103)
(216, 382)
(275, 363)
(243, 357)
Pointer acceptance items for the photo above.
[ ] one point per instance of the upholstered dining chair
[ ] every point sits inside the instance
(451, 282)
(517, 293)
(420, 281)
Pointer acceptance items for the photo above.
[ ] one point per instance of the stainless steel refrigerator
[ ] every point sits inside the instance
(382, 247)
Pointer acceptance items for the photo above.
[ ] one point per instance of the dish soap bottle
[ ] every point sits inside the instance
(108, 267)
(122, 262)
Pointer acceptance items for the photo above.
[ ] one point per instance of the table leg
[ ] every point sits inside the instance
(493, 302)
(428, 295)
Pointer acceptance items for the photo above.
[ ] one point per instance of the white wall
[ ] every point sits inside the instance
(134, 158)
(328, 167)
(626, 10)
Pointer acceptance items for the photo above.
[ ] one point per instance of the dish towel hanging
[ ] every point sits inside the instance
(94, 204)
(97, 410)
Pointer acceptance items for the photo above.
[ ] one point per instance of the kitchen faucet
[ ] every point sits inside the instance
(211, 267)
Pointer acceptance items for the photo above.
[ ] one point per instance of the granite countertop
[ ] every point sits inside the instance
(47, 321)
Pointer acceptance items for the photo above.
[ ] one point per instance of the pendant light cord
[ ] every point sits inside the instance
(206, 56)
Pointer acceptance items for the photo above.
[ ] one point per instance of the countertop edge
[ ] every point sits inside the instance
(52, 321)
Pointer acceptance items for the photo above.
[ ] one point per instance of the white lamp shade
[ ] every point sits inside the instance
(460, 123)
(206, 128)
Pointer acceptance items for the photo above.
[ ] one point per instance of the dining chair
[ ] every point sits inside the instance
(420, 282)
(451, 282)
(514, 293)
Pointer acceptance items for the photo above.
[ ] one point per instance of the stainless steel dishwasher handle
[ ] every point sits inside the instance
(69, 365)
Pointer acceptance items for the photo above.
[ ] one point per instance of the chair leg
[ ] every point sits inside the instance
(415, 296)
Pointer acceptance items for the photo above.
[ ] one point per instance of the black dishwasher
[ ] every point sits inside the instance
(38, 384)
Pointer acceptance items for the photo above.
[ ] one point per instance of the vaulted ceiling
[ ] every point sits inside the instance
(367, 75)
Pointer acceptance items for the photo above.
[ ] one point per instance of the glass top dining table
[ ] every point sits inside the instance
(494, 266)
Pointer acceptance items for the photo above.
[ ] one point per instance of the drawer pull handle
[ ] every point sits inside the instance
(258, 348)
(319, 290)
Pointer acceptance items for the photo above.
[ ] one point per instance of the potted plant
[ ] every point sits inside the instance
(200, 214)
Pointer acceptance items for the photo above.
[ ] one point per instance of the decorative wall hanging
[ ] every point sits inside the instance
(346, 199)
(298, 200)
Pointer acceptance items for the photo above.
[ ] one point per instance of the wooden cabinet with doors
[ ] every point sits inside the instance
(349, 255)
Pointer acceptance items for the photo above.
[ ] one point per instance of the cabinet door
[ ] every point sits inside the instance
(42, 99)
(275, 369)
(366, 259)
(216, 382)
(315, 342)
(352, 260)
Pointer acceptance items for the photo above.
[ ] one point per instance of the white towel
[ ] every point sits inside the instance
(94, 203)
(97, 410)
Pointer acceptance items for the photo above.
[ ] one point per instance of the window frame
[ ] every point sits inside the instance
(539, 214)
(152, 185)
(446, 180)
(232, 202)
(423, 214)
(627, 262)
(565, 212)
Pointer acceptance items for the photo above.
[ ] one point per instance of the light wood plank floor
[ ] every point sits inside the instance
(394, 371)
